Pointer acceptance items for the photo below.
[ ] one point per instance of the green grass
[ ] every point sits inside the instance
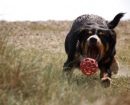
(33, 76)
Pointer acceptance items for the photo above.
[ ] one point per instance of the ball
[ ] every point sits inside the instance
(88, 66)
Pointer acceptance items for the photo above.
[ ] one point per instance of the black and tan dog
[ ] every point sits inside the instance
(94, 37)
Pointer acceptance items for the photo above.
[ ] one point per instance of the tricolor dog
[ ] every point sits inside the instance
(94, 37)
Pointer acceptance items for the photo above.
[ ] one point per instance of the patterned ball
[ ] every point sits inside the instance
(88, 66)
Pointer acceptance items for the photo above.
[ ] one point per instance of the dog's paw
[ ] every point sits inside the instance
(105, 81)
(67, 72)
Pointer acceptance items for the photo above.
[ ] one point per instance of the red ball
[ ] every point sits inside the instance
(88, 66)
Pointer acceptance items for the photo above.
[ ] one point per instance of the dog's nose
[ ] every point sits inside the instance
(92, 41)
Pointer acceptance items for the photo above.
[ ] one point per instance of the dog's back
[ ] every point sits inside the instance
(86, 21)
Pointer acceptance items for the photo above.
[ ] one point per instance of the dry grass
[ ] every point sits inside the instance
(31, 59)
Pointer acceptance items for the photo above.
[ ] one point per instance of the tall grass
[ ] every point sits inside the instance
(34, 77)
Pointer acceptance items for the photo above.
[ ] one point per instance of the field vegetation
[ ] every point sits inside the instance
(31, 59)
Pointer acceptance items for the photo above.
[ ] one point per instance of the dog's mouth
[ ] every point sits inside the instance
(93, 52)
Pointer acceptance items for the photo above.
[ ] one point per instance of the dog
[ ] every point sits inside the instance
(94, 37)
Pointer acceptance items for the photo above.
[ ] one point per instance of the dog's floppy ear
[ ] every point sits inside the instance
(115, 21)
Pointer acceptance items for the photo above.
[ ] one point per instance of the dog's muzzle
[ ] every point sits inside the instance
(94, 48)
(93, 40)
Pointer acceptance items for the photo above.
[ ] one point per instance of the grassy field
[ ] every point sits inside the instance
(31, 59)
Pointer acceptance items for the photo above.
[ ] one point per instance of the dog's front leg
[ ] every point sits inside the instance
(105, 78)
(67, 73)
(68, 67)
(105, 75)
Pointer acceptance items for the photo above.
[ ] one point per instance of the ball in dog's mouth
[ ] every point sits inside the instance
(88, 66)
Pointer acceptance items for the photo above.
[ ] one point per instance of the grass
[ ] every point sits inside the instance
(31, 63)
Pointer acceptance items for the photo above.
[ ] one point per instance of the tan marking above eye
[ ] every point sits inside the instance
(101, 33)
(90, 32)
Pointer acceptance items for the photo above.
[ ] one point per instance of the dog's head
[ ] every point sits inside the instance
(97, 39)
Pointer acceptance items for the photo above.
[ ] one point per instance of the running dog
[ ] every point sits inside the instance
(94, 37)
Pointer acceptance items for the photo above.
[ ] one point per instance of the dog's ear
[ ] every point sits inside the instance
(115, 21)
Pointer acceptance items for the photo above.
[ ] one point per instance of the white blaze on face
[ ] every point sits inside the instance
(95, 37)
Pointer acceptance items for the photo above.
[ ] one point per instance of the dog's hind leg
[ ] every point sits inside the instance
(114, 66)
